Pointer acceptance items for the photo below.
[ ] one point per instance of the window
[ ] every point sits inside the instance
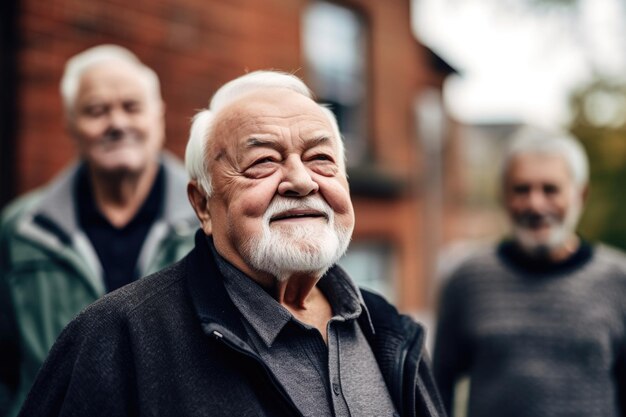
(335, 55)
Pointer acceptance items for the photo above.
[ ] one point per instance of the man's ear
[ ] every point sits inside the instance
(200, 203)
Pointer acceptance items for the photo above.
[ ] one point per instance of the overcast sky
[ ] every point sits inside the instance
(521, 65)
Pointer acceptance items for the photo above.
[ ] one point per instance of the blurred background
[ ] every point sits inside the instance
(427, 93)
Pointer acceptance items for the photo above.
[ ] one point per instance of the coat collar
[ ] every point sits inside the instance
(57, 202)
(398, 343)
(208, 294)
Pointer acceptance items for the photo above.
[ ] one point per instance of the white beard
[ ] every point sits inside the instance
(284, 250)
(559, 233)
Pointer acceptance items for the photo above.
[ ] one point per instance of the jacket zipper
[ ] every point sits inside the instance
(219, 336)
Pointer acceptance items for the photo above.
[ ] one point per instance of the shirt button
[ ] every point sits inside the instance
(336, 388)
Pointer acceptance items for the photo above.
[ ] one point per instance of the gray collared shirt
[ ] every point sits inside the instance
(341, 379)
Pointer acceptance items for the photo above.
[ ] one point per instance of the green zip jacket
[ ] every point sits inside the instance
(49, 270)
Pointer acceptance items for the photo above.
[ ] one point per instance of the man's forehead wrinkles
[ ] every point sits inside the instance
(255, 133)
(244, 116)
(254, 126)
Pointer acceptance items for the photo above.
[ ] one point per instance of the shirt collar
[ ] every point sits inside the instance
(267, 317)
(511, 253)
(89, 214)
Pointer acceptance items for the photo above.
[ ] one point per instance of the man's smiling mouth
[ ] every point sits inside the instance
(298, 214)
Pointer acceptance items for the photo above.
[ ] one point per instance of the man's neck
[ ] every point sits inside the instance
(564, 251)
(313, 308)
(119, 197)
(300, 295)
(552, 255)
(297, 292)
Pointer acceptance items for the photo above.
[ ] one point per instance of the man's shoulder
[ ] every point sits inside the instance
(176, 208)
(161, 290)
(376, 303)
(18, 208)
(385, 315)
(476, 265)
(608, 252)
(477, 261)
(45, 197)
(173, 165)
(610, 257)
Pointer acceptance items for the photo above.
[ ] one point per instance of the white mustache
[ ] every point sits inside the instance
(281, 204)
(531, 219)
(113, 137)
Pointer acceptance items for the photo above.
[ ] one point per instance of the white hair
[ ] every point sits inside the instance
(78, 64)
(196, 153)
(535, 141)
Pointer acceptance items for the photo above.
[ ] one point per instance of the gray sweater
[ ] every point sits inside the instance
(535, 340)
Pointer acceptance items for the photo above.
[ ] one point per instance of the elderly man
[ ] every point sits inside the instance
(117, 214)
(257, 319)
(539, 322)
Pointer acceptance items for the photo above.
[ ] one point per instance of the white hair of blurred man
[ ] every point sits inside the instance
(533, 140)
(80, 63)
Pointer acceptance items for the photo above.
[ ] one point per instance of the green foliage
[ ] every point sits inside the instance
(599, 121)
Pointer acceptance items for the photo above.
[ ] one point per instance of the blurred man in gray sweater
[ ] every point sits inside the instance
(538, 322)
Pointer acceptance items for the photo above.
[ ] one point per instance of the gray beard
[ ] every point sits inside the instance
(559, 235)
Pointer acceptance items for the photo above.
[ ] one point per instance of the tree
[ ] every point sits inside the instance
(599, 121)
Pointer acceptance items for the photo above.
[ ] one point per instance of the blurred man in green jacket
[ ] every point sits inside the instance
(119, 213)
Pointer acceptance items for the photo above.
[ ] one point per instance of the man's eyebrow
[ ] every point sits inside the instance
(256, 142)
(317, 141)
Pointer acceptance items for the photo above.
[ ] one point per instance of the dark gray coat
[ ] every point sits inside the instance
(173, 345)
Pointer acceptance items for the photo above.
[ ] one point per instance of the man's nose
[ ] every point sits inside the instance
(118, 119)
(296, 181)
(536, 199)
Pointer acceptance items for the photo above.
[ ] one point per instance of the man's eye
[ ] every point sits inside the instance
(550, 189)
(521, 189)
(262, 167)
(132, 107)
(321, 157)
(94, 111)
(267, 159)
